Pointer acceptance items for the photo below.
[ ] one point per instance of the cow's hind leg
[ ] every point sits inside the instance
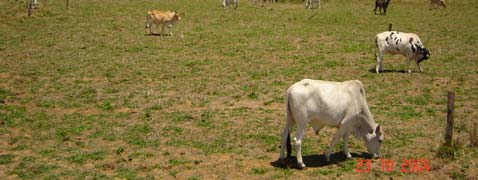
(379, 55)
(419, 67)
(299, 134)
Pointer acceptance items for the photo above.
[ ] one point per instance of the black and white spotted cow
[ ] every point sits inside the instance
(407, 44)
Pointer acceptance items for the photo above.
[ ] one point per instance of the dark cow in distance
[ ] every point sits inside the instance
(381, 4)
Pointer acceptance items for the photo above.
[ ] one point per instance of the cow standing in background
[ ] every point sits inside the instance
(437, 4)
(165, 18)
(226, 2)
(33, 4)
(308, 4)
(381, 4)
(324, 103)
(406, 44)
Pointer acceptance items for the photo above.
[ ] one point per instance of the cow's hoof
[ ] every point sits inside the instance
(301, 166)
(375, 156)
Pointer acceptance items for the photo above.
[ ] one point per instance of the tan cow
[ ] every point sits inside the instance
(437, 3)
(166, 18)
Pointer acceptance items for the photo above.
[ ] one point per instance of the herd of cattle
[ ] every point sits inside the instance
(335, 104)
(324, 103)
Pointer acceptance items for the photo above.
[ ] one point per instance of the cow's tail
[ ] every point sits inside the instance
(286, 133)
(288, 128)
(376, 45)
(148, 21)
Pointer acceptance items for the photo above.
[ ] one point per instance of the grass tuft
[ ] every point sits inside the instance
(449, 151)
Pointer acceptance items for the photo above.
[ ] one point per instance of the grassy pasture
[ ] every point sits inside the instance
(85, 94)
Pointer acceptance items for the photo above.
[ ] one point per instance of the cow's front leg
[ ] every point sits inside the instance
(346, 146)
(419, 67)
(332, 144)
(408, 65)
(170, 32)
(149, 29)
(224, 3)
(162, 30)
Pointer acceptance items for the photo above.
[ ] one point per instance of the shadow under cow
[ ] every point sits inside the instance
(315, 161)
(156, 34)
(387, 71)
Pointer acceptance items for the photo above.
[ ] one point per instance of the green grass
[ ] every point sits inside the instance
(6, 158)
(85, 87)
(126, 173)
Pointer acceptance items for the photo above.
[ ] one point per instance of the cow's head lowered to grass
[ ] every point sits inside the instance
(321, 103)
(423, 54)
(373, 140)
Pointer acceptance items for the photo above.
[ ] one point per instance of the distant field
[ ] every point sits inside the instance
(86, 94)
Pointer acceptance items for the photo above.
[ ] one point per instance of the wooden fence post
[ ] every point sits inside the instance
(473, 140)
(449, 118)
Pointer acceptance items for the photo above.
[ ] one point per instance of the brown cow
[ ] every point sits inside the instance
(166, 18)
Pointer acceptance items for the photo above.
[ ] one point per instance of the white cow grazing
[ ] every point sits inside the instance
(308, 4)
(406, 44)
(324, 103)
(226, 2)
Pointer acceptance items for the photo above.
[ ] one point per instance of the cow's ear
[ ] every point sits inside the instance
(378, 130)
